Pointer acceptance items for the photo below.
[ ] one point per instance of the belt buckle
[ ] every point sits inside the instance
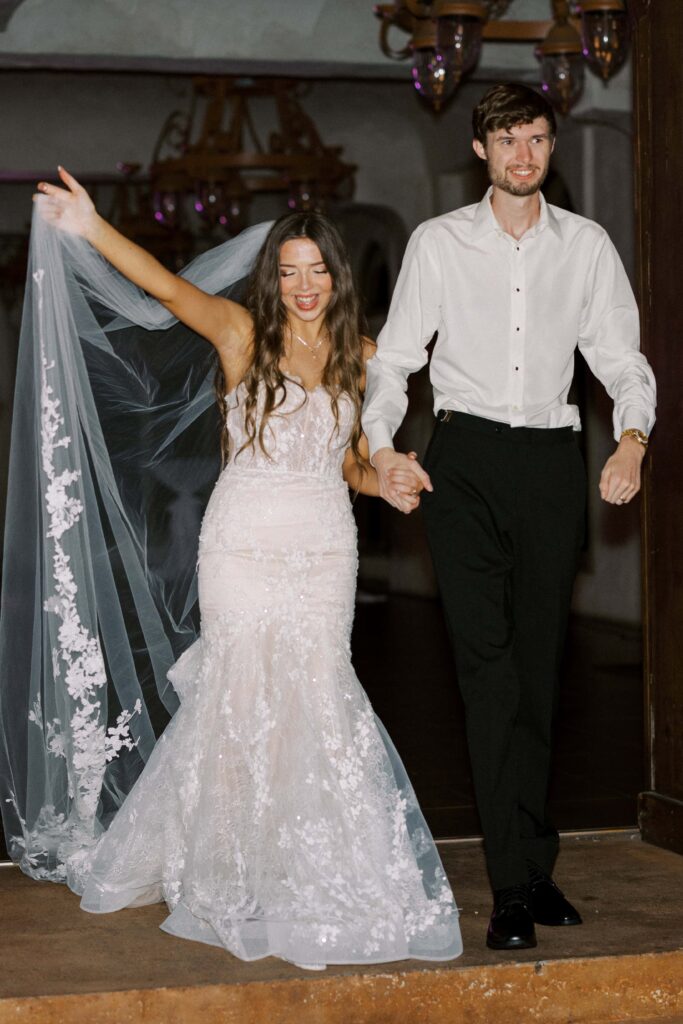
(446, 415)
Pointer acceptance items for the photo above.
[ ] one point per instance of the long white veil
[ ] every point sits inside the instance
(114, 453)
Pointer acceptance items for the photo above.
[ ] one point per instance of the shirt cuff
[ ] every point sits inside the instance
(632, 419)
(379, 436)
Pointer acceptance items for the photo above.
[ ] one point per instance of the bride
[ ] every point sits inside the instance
(274, 816)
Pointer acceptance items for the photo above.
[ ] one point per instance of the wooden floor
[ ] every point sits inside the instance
(625, 963)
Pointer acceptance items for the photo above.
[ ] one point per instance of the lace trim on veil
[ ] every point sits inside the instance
(79, 532)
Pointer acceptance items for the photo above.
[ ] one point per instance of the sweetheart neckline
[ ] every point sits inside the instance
(290, 376)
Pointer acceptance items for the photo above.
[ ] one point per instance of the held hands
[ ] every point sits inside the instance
(620, 477)
(70, 209)
(401, 478)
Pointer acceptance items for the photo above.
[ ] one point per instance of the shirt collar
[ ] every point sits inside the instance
(484, 219)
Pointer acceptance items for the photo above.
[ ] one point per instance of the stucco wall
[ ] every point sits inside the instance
(302, 31)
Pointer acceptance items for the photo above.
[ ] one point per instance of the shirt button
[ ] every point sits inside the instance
(516, 289)
(516, 368)
(516, 328)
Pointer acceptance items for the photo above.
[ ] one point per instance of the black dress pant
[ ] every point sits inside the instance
(505, 525)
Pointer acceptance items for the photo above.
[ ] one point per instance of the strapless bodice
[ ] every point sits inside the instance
(301, 436)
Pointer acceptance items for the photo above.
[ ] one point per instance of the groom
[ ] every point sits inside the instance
(511, 286)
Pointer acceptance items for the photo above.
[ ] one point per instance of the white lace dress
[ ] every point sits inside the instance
(274, 816)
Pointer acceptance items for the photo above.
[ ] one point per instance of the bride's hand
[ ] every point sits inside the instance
(70, 209)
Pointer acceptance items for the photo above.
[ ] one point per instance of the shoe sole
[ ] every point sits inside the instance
(557, 924)
(512, 944)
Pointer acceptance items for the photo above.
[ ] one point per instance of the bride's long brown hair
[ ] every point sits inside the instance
(343, 371)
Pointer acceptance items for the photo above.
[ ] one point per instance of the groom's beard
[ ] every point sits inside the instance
(518, 188)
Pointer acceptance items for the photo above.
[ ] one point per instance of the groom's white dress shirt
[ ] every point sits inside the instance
(509, 316)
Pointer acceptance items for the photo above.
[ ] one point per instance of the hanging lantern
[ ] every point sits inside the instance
(213, 160)
(458, 35)
(210, 200)
(166, 196)
(561, 57)
(604, 32)
(223, 203)
(302, 196)
(431, 74)
(166, 208)
(460, 26)
(234, 219)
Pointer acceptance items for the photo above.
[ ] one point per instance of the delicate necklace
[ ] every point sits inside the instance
(311, 348)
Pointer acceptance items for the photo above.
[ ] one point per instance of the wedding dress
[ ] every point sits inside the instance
(274, 816)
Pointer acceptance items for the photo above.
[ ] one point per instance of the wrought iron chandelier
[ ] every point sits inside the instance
(445, 39)
(210, 162)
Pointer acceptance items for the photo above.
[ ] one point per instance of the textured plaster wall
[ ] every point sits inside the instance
(304, 30)
(299, 30)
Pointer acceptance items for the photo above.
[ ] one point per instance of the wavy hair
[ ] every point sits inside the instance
(343, 371)
(508, 105)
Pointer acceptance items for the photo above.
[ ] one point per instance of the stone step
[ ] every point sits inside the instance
(609, 990)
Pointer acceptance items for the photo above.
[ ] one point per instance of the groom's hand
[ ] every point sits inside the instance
(620, 478)
(393, 469)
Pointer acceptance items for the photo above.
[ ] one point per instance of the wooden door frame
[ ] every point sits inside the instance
(658, 113)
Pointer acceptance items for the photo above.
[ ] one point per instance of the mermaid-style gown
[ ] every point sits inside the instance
(274, 816)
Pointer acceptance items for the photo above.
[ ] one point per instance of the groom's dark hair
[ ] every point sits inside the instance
(505, 106)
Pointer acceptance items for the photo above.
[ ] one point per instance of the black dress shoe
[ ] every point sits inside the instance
(511, 925)
(547, 902)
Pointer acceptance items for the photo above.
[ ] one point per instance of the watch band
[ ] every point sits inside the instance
(637, 435)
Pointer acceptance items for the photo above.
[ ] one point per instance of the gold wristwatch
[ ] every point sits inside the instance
(637, 435)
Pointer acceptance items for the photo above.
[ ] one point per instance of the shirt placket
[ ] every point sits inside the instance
(517, 336)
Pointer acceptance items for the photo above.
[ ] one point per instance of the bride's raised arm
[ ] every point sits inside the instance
(226, 324)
